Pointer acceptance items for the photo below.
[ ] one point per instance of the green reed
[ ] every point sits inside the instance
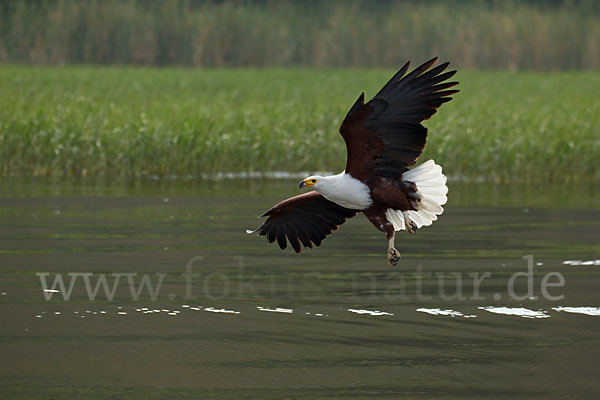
(539, 35)
(132, 122)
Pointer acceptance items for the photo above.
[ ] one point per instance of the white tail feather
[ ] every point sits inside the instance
(396, 218)
(431, 185)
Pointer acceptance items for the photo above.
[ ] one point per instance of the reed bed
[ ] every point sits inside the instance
(483, 34)
(133, 122)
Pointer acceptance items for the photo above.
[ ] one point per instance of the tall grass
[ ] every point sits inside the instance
(538, 35)
(131, 122)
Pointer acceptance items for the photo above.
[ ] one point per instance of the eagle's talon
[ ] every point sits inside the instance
(411, 227)
(393, 257)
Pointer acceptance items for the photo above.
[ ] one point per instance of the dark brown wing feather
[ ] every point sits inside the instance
(303, 219)
(385, 136)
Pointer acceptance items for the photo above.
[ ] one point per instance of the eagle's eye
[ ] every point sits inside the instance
(313, 181)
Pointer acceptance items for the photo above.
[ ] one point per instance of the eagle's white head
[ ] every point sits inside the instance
(313, 181)
(342, 189)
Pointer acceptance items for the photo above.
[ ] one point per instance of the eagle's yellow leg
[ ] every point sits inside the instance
(393, 254)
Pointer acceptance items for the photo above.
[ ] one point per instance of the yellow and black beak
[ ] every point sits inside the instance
(307, 183)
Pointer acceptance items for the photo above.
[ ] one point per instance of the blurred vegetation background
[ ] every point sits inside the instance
(79, 94)
(532, 35)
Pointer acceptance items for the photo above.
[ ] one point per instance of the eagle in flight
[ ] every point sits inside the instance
(384, 137)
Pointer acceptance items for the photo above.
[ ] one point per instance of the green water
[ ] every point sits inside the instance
(314, 347)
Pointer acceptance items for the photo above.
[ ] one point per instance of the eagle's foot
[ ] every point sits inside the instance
(411, 227)
(393, 256)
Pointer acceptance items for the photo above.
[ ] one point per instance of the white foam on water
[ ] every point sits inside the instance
(581, 262)
(518, 311)
(595, 311)
(375, 313)
(277, 309)
(221, 310)
(448, 313)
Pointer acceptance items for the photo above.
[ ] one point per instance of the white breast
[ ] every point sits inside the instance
(346, 191)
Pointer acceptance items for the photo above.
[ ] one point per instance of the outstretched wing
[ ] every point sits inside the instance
(385, 136)
(305, 219)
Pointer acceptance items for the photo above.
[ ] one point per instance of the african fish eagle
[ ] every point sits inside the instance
(383, 139)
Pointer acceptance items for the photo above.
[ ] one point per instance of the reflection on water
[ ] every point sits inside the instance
(579, 310)
(450, 313)
(515, 311)
(222, 314)
(520, 311)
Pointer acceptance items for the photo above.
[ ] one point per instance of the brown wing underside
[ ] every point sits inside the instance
(385, 136)
(303, 219)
